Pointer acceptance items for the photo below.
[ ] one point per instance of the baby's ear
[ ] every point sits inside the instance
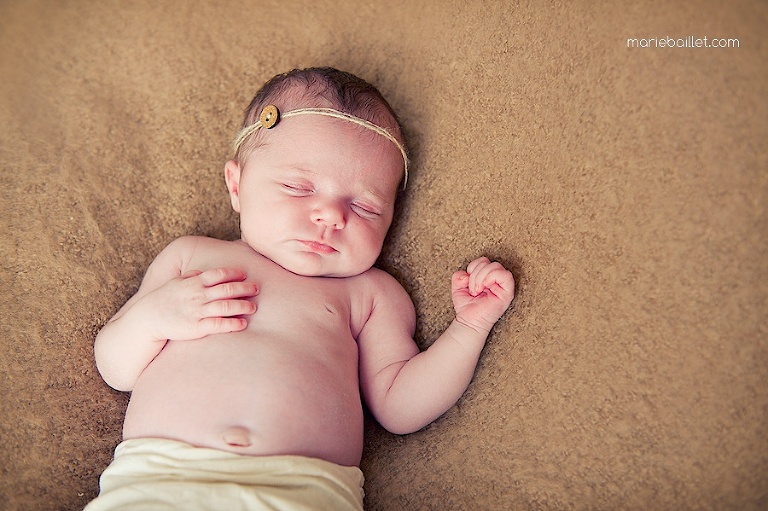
(232, 177)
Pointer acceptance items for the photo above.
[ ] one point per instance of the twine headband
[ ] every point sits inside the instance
(270, 116)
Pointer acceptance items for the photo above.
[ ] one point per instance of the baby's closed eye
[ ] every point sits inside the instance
(297, 189)
(365, 210)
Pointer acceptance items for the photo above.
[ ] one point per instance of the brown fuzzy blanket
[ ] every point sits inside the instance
(625, 187)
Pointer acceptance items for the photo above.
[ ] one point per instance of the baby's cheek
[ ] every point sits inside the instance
(368, 248)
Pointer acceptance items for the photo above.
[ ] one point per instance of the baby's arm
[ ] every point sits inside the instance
(173, 302)
(406, 390)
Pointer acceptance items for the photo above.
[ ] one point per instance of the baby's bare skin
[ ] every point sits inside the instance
(288, 384)
(266, 345)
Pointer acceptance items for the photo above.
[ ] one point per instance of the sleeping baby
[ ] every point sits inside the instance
(247, 360)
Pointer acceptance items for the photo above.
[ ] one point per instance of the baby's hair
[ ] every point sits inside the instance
(320, 87)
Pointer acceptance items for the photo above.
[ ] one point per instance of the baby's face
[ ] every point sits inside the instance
(317, 197)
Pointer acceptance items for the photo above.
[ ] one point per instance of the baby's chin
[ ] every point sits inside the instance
(318, 268)
(308, 264)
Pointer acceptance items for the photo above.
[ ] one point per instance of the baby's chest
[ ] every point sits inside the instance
(290, 302)
(309, 301)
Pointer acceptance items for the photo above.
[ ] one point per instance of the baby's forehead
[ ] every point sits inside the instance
(367, 113)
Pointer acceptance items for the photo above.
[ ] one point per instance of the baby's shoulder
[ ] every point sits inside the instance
(380, 285)
(376, 290)
(377, 279)
(186, 244)
(196, 242)
(191, 245)
(184, 251)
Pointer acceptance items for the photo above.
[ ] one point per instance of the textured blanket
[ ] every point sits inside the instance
(607, 152)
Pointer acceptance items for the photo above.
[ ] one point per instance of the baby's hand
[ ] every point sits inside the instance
(198, 303)
(482, 293)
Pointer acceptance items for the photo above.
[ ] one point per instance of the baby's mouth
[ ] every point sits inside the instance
(316, 246)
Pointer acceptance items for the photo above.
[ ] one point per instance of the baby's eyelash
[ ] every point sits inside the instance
(297, 188)
(365, 210)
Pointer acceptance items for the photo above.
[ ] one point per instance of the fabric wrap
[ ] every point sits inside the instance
(157, 474)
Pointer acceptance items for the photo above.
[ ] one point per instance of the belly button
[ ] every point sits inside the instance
(237, 436)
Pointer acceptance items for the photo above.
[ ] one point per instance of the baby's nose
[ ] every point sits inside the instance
(329, 214)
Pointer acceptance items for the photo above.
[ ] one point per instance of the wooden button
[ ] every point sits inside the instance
(269, 116)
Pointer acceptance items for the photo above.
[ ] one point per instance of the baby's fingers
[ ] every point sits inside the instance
(231, 290)
(459, 281)
(228, 308)
(479, 262)
(221, 275)
(478, 270)
(191, 273)
(501, 283)
(210, 326)
(488, 276)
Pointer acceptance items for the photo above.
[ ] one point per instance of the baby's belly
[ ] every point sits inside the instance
(254, 394)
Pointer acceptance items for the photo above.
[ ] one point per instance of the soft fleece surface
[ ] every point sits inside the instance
(626, 188)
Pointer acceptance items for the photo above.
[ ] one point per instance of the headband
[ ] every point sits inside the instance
(270, 116)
